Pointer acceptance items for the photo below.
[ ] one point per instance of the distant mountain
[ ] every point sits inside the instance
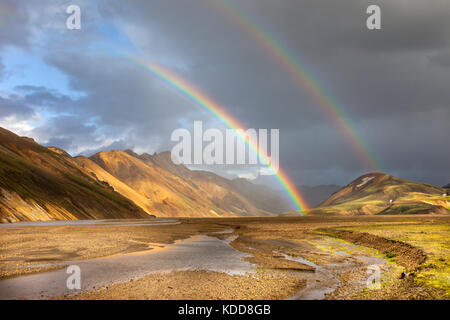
(38, 183)
(314, 195)
(167, 189)
(260, 197)
(447, 186)
(378, 193)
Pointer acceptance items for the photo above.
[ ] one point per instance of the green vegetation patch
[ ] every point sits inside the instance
(390, 255)
(433, 239)
(409, 208)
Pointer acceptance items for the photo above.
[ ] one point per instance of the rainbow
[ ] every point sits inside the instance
(189, 91)
(300, 75)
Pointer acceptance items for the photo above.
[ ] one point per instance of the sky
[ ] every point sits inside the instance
(74, 90)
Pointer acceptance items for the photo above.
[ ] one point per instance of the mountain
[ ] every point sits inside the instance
(314, 195)
(378, 193)
(167, 189)
(447, 186)
(260, 196)
(101, 175)
(38, 183)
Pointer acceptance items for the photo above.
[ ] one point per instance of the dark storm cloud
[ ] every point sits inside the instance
(62, 142)
(17, 107)
(14, 24)
(44, 96)
(340, 25)
(391, 84)
(123, 98)
(66, 132)
(441, 59)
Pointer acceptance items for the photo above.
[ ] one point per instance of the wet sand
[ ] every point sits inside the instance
(95, 223)
(234, 258)
(195, 253)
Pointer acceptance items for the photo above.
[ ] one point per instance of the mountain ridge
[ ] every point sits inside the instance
(47, 183)
(111, 184)
(38, 183)
(174, 189)
(380, 193)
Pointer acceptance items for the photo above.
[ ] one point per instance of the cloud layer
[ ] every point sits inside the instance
(392, 84)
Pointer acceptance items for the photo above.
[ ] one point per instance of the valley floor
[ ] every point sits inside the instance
(230, 258)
